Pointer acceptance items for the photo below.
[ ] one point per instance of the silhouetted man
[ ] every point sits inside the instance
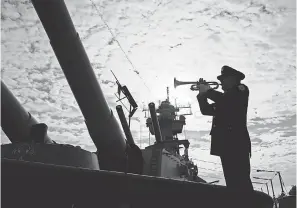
(229, 135)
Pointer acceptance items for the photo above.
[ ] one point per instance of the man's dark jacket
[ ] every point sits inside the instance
(229, 134)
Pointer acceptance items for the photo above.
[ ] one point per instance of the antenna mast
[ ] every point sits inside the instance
(167, 94)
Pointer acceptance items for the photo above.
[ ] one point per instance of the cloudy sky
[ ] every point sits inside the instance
(165, 39)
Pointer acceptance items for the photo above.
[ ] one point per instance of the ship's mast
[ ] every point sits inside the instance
(170, 123)
(167, 94)
(165, 159)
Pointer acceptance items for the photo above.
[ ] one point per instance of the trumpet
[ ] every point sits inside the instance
(195, 85)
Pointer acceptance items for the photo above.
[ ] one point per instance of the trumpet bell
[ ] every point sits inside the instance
(175, 83)
(178, 83)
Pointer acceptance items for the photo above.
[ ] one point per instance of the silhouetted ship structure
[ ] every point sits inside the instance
(38, 172)
(164, 156)
(284, 200)
(288, 200)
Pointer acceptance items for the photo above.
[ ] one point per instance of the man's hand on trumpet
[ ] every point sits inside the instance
(203, 86)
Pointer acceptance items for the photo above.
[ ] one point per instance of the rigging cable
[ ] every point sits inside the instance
(206, 176)
(253, 167)
(114, 38)
(209, 162)
(284, 184)
(209, 169)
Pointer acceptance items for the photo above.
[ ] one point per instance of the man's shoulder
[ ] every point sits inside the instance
(242, 88)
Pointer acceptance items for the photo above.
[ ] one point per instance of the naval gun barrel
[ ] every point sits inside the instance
(155, 122)
(125, 125)
(16, 122)
(100, 121)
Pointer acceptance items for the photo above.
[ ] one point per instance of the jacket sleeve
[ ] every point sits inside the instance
(214, 95)
(205, 107)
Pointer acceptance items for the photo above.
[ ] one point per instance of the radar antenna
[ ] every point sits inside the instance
(126, 92)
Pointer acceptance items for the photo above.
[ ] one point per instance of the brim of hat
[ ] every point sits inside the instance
(240, 77)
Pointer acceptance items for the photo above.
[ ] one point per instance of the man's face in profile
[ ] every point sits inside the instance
(228, 82)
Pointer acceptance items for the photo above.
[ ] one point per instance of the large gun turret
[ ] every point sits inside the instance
(29, 139)
(101, 123)
(14, 116)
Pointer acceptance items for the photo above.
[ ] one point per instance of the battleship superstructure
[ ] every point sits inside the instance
(164, 155)
(38, 172)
